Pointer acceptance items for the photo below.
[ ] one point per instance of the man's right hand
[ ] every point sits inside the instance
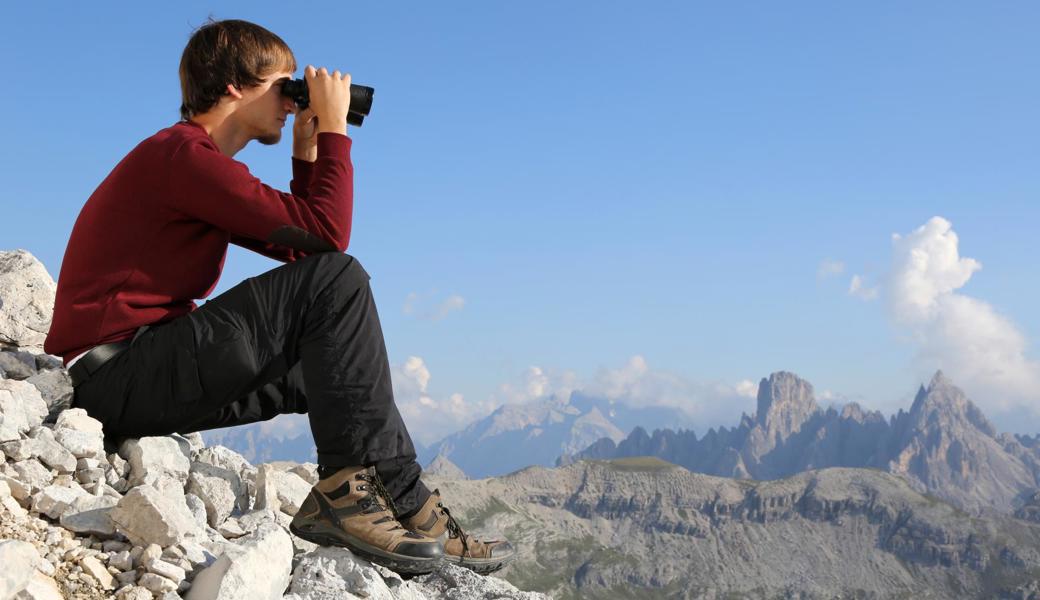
(329, 98)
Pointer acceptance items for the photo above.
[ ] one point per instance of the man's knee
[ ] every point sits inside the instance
(343, 266)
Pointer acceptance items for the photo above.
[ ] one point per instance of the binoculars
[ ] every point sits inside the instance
(360, 99)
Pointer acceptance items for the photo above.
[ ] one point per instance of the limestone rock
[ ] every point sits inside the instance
(28, 299)
(145, 515)
(33, 473)
(77, 419)
(90, 515)
(19, 560)
(220, 490)
(151, 458)
(258, 566)
(280, 490)
(328, 573)
(56, 389)
(54, 500)
(21, 408)
(41, 587)
(82, 444)
(95, 569)
(17, 365)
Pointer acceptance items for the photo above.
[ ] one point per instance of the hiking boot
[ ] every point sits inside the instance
(352, 509)
(435, 520)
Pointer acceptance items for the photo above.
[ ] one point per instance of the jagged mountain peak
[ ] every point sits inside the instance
(944, 402)
(785, 401)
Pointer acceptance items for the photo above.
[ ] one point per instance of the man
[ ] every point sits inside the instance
(301, 338)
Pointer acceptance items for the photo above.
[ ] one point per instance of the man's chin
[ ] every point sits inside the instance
(270, 139)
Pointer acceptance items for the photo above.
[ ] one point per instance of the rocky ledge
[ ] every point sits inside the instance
(156, 517)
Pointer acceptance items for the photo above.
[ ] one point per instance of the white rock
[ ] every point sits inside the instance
(82, 444)
(195, 441)
(121, 560)
(135, 593)
(225, 458)
(41, 587)
(150, 554)
(90, 515)
(95, 569)
(215, 486)
(19, 490)
(49, 452)
(230, 529)
(328, 573)
(151, 458)
(167, 570)
(147, 516)
(19, 560)
(11, 505)
(307, 471)
(25, 314)
(157, 584)
(21, 408)
(196, 553)
(257, 567)
(77, 419)
(197, 508)
(34, 474)
(54, 500)
(280, 490)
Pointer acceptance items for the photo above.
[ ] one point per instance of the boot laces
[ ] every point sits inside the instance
(455, 530)
(382, 497)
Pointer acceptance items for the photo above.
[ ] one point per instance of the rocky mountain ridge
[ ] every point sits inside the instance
(943, 446)
(601, 529)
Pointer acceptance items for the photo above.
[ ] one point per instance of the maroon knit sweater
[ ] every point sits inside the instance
(153, 237)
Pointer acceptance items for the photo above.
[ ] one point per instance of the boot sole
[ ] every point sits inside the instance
(323, 535)
(479, 566)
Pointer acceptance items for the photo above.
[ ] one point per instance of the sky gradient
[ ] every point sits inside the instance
(655, 198)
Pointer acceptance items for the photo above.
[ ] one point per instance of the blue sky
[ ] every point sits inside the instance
(571, 185)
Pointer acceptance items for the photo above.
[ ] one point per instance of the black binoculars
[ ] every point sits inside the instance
(360, 99)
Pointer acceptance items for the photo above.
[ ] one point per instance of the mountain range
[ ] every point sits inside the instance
(644, 528)
(942, 446)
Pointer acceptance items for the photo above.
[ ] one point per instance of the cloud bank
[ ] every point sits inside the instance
(980, 349)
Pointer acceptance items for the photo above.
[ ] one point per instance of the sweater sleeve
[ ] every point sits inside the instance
(207, 185)
(301, 180)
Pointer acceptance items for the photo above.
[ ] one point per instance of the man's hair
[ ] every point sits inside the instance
(230, 51)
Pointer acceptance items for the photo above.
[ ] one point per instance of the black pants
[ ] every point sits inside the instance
(301, 338)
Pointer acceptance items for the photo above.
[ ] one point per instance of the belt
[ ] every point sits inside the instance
(93, 360)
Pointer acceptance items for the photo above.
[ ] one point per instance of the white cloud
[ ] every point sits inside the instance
(859, 290)
(746, 389)
(427, 306)
(536, 383)
(830, 268)
(977, 347)
(428, 418)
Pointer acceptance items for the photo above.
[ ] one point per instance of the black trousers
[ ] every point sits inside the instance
(301, 338)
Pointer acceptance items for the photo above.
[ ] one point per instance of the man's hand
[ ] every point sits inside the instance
(330, 98)
(305, 135)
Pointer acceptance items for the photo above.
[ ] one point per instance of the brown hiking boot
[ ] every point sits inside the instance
(352, 509)
(434, 520)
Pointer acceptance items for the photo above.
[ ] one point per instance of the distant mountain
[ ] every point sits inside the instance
(643, 528)
(257, 447)
(943, 446)
(520, 435)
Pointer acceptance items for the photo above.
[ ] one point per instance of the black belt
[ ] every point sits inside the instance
(93, 360)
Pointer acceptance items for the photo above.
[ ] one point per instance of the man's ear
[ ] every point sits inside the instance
(234, 91)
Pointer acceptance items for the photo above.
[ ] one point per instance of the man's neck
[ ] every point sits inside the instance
(229, 137)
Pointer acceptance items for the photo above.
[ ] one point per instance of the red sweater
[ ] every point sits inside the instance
(154, 235)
